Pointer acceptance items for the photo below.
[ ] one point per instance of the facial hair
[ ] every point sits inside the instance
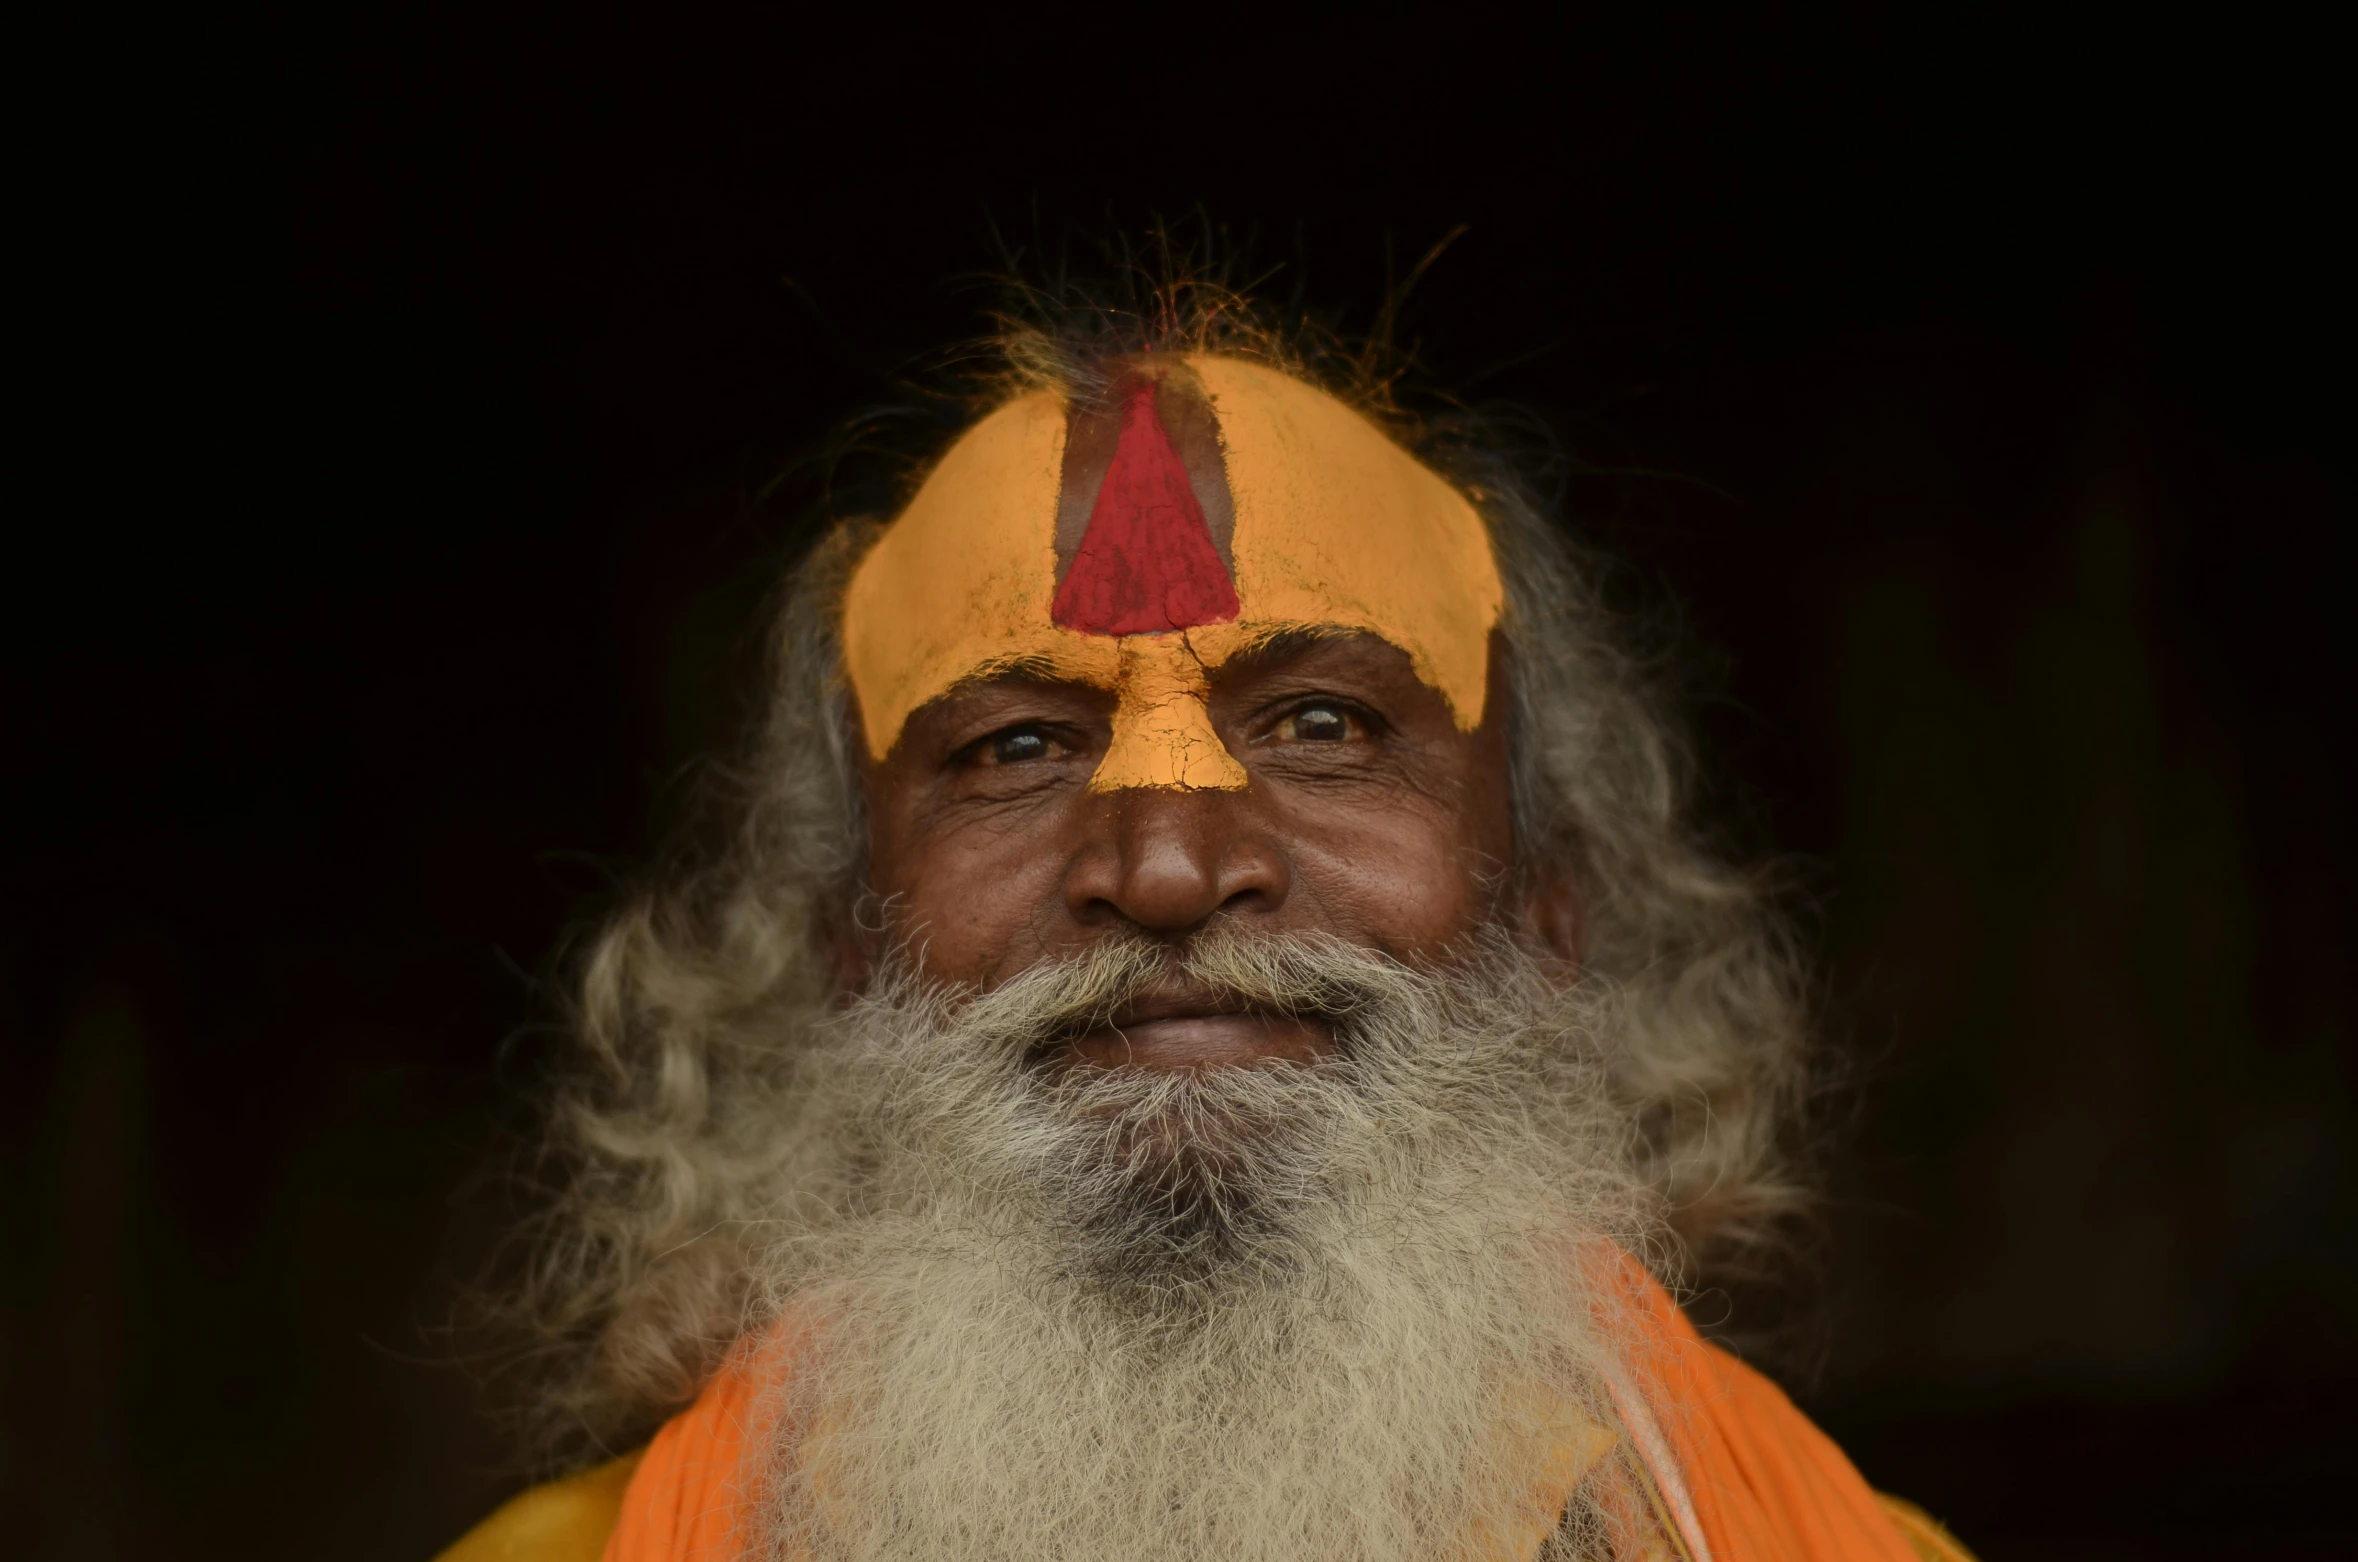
(1293, 1310)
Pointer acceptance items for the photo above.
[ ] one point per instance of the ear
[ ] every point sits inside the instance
(1554, 912)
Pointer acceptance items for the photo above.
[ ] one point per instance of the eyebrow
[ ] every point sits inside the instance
(1011, 669)
(1282, 645)
(1259, 655)
(1009, 674)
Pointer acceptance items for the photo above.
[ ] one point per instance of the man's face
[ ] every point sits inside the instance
(1368, 814)
(1211, 647)
(1184, 752)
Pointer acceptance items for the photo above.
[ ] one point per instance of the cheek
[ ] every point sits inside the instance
(968, 898)
(1406, 878)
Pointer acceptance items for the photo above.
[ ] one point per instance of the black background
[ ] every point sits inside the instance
(414, 366)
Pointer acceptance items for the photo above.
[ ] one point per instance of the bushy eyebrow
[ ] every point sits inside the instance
(1020, 669)
(1283, 645)
(1265, 653)
(1033, 671)
(1013, 675)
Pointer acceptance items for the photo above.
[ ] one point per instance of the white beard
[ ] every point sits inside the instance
(1293, 1311)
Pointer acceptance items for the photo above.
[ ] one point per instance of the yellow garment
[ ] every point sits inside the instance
(563, 1521)
(1928, 1535)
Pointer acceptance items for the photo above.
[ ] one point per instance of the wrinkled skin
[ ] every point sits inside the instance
(1369, 816)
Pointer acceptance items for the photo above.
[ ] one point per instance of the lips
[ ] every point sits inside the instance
(1178, 1001)
(1183, 1026)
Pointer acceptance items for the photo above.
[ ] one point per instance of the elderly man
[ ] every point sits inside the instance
(1205, 1032)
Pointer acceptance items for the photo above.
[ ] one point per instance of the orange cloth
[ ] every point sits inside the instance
(1761, 1482)
(693, 1487)
(1742, 1471)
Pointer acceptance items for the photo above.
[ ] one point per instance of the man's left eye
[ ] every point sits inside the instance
(1319, 724)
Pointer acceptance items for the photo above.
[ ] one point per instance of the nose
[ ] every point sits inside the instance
(1166, 860)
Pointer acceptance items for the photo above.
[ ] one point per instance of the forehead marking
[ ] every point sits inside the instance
(1248, 504)
(1146, 565)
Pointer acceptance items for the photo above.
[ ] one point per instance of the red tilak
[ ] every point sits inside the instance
(1146, 564)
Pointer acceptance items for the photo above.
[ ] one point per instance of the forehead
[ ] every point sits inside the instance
(1207, 497)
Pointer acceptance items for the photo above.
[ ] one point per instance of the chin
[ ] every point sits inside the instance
(1192, 1182)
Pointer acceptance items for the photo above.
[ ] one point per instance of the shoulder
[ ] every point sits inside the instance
(564, 1521)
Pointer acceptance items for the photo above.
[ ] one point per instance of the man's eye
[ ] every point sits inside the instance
(1017, 745)
(1318, 724)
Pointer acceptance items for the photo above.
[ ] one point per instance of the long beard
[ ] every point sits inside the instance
(1294, 1310)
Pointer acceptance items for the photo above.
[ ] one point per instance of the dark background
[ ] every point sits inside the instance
(415, 366)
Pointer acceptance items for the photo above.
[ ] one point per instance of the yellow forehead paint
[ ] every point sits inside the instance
(1217, 503)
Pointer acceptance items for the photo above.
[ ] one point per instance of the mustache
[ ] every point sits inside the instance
(1291, 976)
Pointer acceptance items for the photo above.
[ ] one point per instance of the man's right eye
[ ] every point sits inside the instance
(1015, 746)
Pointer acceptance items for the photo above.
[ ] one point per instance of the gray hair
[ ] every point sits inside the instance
(676, 1132)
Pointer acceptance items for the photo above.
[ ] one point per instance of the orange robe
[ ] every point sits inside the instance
(1744, 1475)
(1738, 1473)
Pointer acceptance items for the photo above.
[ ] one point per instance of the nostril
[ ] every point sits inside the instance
(1167, 886)
(1168, 861)
(1256, 896)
